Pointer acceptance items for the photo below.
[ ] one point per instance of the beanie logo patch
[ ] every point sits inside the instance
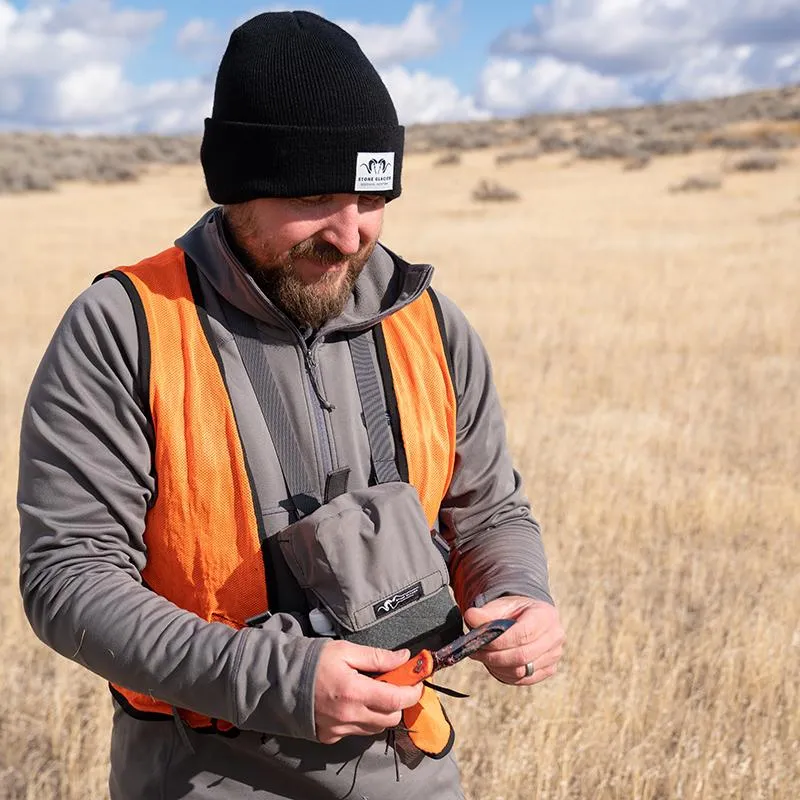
(374, 172)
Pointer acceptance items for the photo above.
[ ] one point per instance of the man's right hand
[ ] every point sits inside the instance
(347, 702)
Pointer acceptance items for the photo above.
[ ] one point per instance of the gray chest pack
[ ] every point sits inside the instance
(359, 565)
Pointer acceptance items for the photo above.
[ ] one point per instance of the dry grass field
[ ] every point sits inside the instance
(647, 349)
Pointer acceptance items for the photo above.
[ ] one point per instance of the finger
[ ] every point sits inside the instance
(522, 655)
(516, 676)
(386, 698)
(369, 724)
(373, 659)
(501, 608)
(534, 625)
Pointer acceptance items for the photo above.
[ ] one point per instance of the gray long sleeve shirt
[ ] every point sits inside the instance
(87, 480)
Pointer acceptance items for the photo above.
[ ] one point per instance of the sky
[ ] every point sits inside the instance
(109, 66)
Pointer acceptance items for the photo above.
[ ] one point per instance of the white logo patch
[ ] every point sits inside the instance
(374, 172)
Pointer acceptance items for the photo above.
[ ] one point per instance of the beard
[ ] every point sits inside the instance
(309, 305)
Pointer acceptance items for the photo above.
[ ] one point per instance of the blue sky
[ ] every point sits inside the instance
(475, 25)
(149, 65)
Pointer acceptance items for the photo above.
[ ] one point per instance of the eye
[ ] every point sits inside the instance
(371, 200)
(312, 200)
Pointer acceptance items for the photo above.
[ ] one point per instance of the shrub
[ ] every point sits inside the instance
(667, 145)
(491, 191)
(522, 154)
(598, 147)
(448, 160)
(72, 167)
(637, 161)
(727, 141)
(554, 142)
(16, 176)
(698, 183)
(756, 162)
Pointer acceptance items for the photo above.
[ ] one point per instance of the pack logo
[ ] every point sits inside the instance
(398, 600)
(374, 172)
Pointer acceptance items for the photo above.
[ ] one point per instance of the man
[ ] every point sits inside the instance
(218, 453)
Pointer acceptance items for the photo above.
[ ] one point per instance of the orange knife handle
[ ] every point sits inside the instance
(412, 672)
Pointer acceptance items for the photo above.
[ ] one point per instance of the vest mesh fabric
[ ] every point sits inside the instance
(424, 391)
(203, 547)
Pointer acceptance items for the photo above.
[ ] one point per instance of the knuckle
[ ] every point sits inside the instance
(394, 719)
(407, 698)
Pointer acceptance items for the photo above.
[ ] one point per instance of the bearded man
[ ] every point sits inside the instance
(257, 468)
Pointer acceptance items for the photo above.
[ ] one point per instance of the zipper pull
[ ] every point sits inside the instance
(311, 366)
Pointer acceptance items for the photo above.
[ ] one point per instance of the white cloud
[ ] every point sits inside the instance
(197, 32)
(712, 72)
(61, 67)
(511, 86)
(97, 98)
(420, 97)
(420, 34)
(48, 38)
(99, 18)
(684, 48)
(611, 36)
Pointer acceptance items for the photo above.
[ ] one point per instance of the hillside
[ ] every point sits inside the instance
(765, 120)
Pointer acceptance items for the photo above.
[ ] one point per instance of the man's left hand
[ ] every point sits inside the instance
(535, 641)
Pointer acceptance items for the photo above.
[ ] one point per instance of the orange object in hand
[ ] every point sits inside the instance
(416, 669)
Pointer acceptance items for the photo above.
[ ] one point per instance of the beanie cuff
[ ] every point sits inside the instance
(243, 161)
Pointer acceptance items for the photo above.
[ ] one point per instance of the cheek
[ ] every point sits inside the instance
(289, 235)
(371, 225)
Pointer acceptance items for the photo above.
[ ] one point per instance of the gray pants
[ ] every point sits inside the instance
(164, 761)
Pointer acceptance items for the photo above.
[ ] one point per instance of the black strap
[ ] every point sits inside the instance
(336, 483)
(392, 409)
(143, 334)
(302, 494)
(437, 310)
(370, 392)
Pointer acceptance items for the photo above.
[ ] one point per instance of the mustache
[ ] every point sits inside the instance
(323, 253)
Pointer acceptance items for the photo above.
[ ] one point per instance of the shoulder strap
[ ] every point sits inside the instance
(143, 336)
(370, 392)
(385, 369)
(300, 488)
(437, 310)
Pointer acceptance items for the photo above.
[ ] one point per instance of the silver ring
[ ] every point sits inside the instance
(529, 669)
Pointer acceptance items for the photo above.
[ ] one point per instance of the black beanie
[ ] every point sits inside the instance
(299, 110)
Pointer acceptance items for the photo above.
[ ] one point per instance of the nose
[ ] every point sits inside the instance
(342, 227)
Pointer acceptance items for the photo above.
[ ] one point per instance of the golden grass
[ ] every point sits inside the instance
(647, 350)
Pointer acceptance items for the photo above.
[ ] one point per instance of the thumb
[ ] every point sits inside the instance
(501, 608)
(374, 659)
(477, 616)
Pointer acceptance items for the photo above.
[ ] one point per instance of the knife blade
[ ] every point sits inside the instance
(426, 662)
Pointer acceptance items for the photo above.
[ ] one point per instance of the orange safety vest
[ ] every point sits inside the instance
(203, 547)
